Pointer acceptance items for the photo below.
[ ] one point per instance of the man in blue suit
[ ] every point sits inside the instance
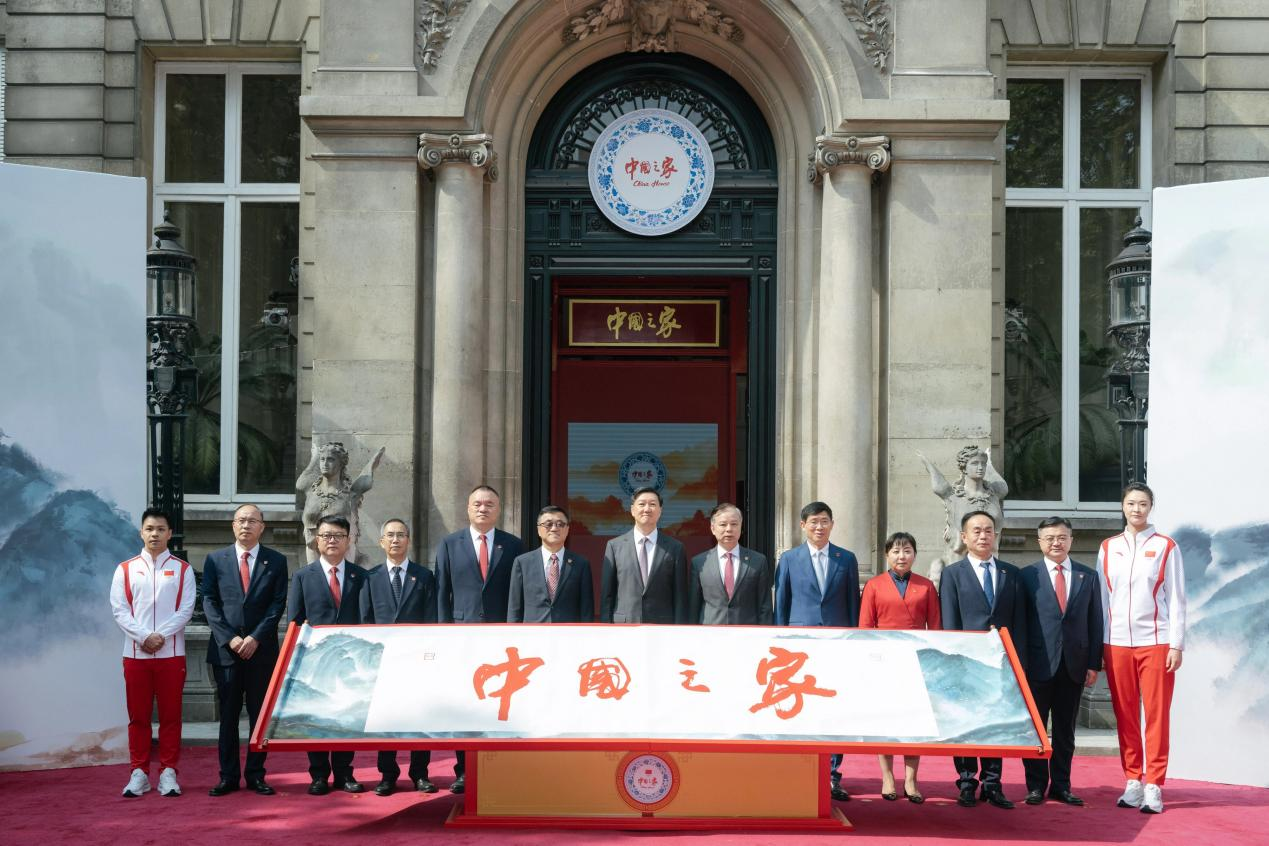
(1064, 652)
(399, 591)
(244, 595)
(551, 584)
(323, 593)
(976, 594)
(817, 584)
(473, 576)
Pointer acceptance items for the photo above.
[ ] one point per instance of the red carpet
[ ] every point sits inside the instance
(83, 806)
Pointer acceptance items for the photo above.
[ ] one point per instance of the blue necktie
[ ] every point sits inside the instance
(988, 587)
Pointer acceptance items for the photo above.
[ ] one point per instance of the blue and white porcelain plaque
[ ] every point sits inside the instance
(651, 172)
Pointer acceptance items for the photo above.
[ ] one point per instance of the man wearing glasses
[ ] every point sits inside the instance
(328, 592)
(244, 594)
(1064, 652)
(551, 584)
(399, 591)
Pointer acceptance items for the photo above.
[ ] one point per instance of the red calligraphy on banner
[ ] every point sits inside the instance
(777, 674)
(607, 677)
(688, 675)
(517, 671)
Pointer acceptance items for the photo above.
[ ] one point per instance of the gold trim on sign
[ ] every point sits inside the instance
(718, 332)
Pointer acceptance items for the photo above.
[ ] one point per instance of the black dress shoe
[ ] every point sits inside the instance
(422, 785)
(966, 799)
(997, 798)
(223, 788)
(458, 786)
(351, 786)
(385, 787)
(1034, 797)
(839, 793)
(1066, 797)
(319, 787)
(262, 787)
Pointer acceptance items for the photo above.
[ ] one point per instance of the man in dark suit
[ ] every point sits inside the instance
(473, 576)
(1064, 652)
(644, 576)
(729, 585)
(817, 584)
(399, 591)
(551, 584)
(244, 595)
(328, 592)
(977, 593)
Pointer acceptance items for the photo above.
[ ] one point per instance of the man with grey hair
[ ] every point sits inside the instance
(729, 585)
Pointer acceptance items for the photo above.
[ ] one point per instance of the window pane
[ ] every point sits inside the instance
(203, 234)
(1110, 133)
(266, 359)
(1033, 136)
(270, 128)
(1033, 353)
(195, 140)
(1101, 238)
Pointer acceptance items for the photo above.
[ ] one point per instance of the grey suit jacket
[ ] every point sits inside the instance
(750, 603)
(623, 597)
(530, 602)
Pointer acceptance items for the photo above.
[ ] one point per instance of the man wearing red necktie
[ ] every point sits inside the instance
(244, 595)
(473, 575)
(328, 592)
(729, 585)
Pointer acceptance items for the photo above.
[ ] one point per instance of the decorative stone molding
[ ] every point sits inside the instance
(832, 151)
(652, 22)
(474, 149)
(434, 22)
(871, 19)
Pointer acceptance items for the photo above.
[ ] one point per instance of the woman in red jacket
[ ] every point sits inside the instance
(900, 599)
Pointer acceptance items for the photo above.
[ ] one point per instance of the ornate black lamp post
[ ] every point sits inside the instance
(1129, 378)
(171, 377)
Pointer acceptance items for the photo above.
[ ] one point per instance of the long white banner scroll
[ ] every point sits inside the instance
(680, 686)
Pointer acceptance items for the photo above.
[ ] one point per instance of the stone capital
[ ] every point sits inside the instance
(466, 148)
(834, 151)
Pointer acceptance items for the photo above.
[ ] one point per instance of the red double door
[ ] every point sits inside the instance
(647, 389)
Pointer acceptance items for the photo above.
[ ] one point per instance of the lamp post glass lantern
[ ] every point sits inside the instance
(1128, 379)
(171, 377)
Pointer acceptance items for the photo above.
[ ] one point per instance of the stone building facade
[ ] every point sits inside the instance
(940, 182)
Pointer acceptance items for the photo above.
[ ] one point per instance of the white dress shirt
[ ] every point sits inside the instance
(819, 563)
(253, 555)
(722, 562)
(652, 547)
(475, 542)
(977, 564)
(546, 562)
(1066, 575)
(339, 573)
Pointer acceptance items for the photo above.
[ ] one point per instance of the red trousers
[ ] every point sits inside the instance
(1136, 676)
(143, 680)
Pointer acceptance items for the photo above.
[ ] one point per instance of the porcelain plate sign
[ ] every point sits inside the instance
(651, 172)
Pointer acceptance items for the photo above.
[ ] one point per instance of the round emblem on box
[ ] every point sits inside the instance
(647, 781)
(651, 172)
(641, 470)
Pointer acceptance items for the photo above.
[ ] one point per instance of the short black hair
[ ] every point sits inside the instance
(812, 508)
(1137, 486)
(1050, 522)
(898, 538)
(158, 513)
(725, 506)
(383, 527)
(641, 491)
(973, 514)
(485, 488)
(553, 509)
(334, 520)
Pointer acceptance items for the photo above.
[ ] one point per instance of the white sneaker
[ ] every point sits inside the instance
(167, 783)
(1133, 794)
(1153, 801)
(139, 783)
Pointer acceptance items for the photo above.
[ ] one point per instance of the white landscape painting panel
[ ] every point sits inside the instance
(661, 682)
(72, 455)
(1208, 465)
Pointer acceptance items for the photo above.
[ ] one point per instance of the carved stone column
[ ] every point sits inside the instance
(459, 163)
(844, 409)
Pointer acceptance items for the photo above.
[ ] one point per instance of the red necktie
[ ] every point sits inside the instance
(553, 577)
(1059, 587)
(729, 576)
(245, 571)
(484, 559)
(334, 585)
